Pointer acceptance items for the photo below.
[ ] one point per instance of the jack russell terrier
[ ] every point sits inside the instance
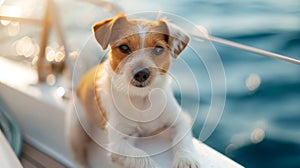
(129, 94)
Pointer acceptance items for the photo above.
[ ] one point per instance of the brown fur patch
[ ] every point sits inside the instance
(162, 61)
(119, 30)
(156, 35)
(116, 56)
(87, 93)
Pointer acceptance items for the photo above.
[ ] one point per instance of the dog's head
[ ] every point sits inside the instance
(141, 51)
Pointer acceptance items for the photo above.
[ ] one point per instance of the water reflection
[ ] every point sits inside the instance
(253, 82)
(230, 149)
(242, 140)
(257, 135)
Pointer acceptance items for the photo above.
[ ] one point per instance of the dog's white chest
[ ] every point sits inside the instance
(142, 110)
(143, 115)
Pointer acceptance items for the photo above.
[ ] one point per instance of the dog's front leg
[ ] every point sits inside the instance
(183, 148)
(125, 153)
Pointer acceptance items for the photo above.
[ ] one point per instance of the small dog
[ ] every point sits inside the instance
(129, 95)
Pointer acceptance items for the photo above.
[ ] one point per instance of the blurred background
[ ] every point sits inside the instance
(260, 126)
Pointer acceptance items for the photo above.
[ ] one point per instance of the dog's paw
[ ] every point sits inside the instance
(185, 161)
(140, 160)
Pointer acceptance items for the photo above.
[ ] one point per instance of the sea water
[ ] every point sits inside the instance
(260, 124)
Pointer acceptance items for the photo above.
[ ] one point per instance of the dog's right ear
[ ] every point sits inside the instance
(103, 30)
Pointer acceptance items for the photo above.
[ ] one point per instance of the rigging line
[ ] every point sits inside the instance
(116, 9)
(247, 48)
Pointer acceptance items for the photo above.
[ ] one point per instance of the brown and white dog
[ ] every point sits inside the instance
(129, 93)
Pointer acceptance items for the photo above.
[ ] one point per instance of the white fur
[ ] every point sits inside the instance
(164, 110)
(142, 32)
(133, 111)
(121, 79)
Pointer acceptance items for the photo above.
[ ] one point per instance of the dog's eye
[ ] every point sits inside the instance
(124, 49)
(157, 50)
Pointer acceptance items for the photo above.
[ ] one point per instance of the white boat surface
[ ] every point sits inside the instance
(40, 113)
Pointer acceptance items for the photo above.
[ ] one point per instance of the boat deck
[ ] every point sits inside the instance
(33, 158)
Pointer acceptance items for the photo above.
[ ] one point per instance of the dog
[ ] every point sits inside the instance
(129, 94)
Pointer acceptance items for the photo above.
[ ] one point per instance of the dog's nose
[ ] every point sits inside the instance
(141, 75)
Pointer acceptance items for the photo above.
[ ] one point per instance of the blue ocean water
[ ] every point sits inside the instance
(259, 128)
(260, 124)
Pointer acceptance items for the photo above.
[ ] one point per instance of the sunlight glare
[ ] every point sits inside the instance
(1, 2)
(11, 11)
(257, 135)
(60, 91)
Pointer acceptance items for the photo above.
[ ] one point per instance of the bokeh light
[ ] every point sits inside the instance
(50, 54)
(51, 79)
(257, 135)
(59, 56)
(26, 47)
(253, 82)
(60, 91)
(73, 55)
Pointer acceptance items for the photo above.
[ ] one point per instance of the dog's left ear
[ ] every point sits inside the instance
(178, 39)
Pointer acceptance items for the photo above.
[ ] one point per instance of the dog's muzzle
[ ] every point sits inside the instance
(140, 77)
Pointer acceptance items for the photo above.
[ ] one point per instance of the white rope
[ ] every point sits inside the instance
(247, 48)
